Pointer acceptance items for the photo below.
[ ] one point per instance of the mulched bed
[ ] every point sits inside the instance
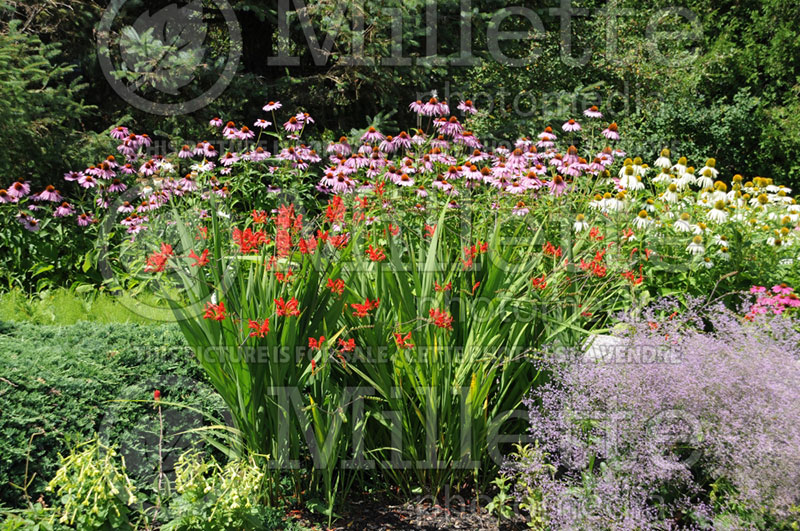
(421, 515)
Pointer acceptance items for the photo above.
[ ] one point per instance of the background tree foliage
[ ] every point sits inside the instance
(728, 86)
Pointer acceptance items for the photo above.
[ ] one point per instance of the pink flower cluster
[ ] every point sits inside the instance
(776, 301)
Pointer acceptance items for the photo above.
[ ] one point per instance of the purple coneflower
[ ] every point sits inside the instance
(185, 152)
(119, 133)
(229, 158)
(85, 219)
(245, 133)
(63, 210)
(557, 185)
(372, 135)
(571, 126)
(520, 209)
(5, 197)
(593, 112)
(611, 132)
(87, 181)
(48, 194)
(293, 125)
(467, 107)
(117, 186)
(272, 106)
(263, 124)
(148, 168)
(215, 122)
(29, 222)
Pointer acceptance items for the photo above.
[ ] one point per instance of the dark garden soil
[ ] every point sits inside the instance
(422, 515)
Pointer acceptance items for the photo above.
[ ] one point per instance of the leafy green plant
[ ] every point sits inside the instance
(92, 489)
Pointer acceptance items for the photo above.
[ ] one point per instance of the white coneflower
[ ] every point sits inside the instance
(663, 160)
(580, 223)
(642, 221)
(718, 214)
(597, 202)
(614, 203)
(649, 205)
(627, 177)
(759, 200)
(628, 163)
(680, 166)
(665, 177)
(682, 224)
(707, 263)
(723, 254)
(710, 167)
(695, 247)
(639, 168)
(706, 179)
(721, 240)
(671, 195)
(687, 178)
(700, 228)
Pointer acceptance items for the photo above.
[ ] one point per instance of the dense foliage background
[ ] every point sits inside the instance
(726, 87)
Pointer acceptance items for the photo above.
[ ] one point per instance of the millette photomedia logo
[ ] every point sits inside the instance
(158, 60)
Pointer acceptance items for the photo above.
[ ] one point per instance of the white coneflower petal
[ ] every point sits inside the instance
(696, 247)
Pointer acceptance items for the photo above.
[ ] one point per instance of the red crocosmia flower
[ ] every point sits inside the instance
(539, 283)
(632, 278)
(441, 318)
(283, 242)
(376, 254)
(339, 240)
(156, 395)
(362, 310)
(259, 329)
(586, 314)
(474, 250)
(336, 286)
(336, 209)
(249, 241)
(394, 230)
(403, 341)
(322, 236)
(199, 261)
(380, 189)
(594, 234)
(215, 311)
(308, 246)
(475, 286)
(316, 343)
(284, 277)
(287, 308)
(287, 219)
(429, 230)
(439, 288)
(627, 233)
(203, 233)
(259, 217)
(347, 346)
(596, 266)
(550, 250)
(363, 202)
(158, 260)
(313, 366)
